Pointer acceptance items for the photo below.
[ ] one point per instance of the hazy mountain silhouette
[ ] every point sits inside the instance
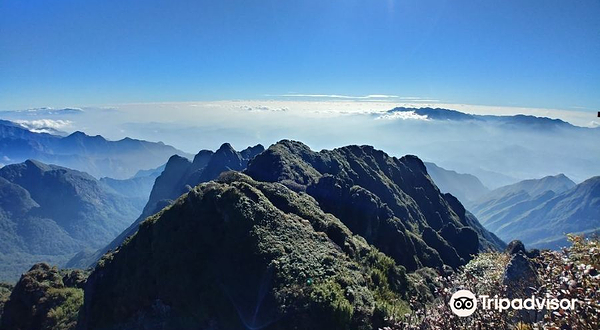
(49, 213)
(540, 212)
(91, 154)
(465, 187)
(137, 187)
(507, 121)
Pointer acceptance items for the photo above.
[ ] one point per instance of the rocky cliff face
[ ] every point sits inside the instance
(241, 254)
(391, 202)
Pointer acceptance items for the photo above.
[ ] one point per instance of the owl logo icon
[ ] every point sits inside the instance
(463, 303)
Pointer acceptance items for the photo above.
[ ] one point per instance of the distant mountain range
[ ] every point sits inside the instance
(465, 187)
(498, 149)
(137, 187)
(532, 122)
(177, 178)
(91, 154)
(49, 213)
(540, 212)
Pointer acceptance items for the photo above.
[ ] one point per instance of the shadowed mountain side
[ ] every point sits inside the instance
(44, 298)
(391, 202)
(178, 177)
(241, 254)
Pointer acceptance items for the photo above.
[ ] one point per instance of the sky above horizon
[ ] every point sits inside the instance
(533, 54)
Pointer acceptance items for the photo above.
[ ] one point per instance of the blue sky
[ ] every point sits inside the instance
(535, 53)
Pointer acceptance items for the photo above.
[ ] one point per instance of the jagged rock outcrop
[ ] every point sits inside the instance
(517, 246)
(180, 175)
(520, 275)
(240, 254)
(391, 202)
(521, 278)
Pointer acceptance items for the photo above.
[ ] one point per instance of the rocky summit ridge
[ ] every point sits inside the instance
(391, 202)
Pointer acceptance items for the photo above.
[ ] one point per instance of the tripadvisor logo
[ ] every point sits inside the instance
(464, 303)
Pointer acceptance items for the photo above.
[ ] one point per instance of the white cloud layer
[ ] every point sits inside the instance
(263, 108)
(329, 123)
(402, 115)
(45, 125)
(47, 111)
(364, 98)
(337, 96)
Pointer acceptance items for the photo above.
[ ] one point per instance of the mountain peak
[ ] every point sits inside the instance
(225, 147)
(533, 187)
(415, 161)
(202, 157)
(560, 178)
(77, 134)
(81, 136)
(37, 164)
(177, 159)
(176, 164)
